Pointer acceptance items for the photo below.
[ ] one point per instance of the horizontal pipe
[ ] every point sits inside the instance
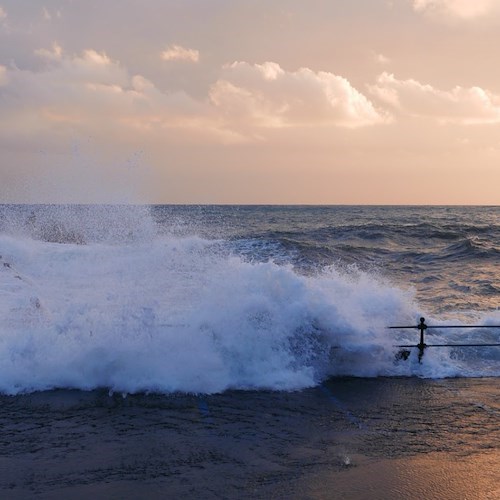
(417, 327)
(451, 345)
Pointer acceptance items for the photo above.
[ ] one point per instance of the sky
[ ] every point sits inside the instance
(250, 101)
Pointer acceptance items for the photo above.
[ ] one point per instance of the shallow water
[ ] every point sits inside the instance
(348, 438)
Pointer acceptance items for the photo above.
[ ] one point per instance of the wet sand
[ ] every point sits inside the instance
(393, 438)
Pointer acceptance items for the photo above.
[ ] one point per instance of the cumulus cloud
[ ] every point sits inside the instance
(178, 53)
(461, 9)
(268, 96)
(76, 88)
(90, 93)
(54, 55)
(466, 106)
(96, 58)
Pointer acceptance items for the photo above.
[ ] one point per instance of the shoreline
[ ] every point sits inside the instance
(348, 438)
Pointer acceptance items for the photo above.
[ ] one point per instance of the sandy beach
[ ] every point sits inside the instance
(349, 438)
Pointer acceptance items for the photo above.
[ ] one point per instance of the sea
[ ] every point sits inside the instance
(245, 351)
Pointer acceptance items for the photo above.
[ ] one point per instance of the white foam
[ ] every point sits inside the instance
(179, 314)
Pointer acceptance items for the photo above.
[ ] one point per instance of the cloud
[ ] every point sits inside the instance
(46, 14)
(97, 58)
(381, 59)
(91, 94)
(266, 95)
(178, 53)
(53, 55)
(461, 9)
(465, 106)
(4, 23)
(3, 75)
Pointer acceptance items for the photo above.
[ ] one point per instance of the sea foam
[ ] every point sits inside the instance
(142, 311)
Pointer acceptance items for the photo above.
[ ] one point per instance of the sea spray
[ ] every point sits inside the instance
(78, 224)
(173, 315)
(142, 309)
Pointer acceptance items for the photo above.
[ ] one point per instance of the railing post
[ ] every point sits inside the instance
(421, 346)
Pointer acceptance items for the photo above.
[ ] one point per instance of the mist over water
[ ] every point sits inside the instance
(203, 299)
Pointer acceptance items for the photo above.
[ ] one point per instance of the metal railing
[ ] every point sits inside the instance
(422, 346)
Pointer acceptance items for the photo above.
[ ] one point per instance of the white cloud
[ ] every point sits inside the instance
(99, 58)
(178, 53)
(381, 59)
(466, 106)
(3, 14)
(266, 95)
(54, 55)
(462, 9)
(3, 75)
(93, 94)
(90, 93)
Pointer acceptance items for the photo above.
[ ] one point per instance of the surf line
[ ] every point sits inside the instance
(342, 407)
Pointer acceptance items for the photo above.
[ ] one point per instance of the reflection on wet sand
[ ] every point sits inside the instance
(399, 438)
(436, 475)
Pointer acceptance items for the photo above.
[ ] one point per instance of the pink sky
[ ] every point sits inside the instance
(227, 101)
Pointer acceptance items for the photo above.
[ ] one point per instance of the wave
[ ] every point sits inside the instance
(166, 313)
(462, 251)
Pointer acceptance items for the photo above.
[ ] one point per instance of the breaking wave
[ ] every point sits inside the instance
(125, 306)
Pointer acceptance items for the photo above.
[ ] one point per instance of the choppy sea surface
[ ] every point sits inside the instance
(202, 299)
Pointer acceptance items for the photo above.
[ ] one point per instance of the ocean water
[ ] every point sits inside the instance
(204, 299)
(243, 352)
